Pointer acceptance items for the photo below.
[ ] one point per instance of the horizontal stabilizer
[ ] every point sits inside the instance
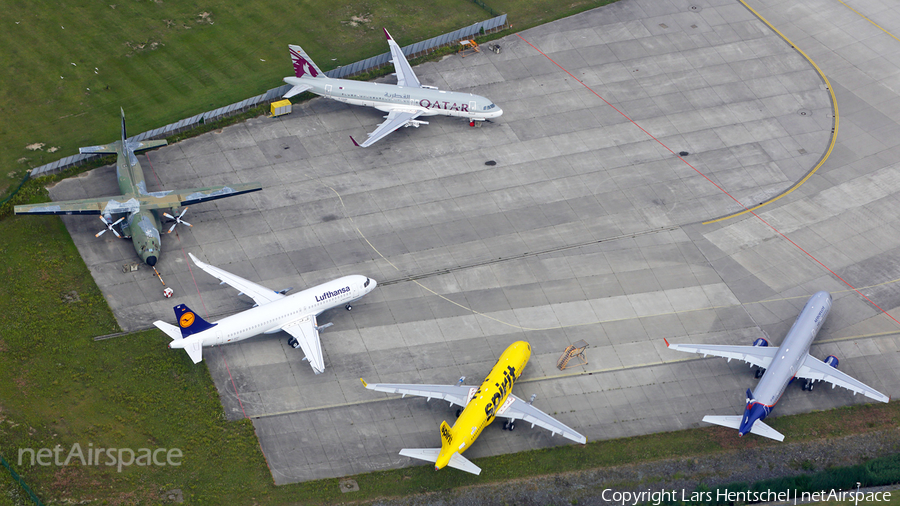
(734, 422)
(105, 149)
(296, 90)
(142, 145)
(194, 349)
(170, 330)
(457, 461)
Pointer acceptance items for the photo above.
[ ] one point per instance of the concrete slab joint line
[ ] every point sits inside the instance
(834, 130)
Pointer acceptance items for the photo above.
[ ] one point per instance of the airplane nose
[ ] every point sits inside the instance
(151, 260)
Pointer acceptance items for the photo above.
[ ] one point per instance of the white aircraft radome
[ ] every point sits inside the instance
(403, 102)
(779, 366)
(274, 312)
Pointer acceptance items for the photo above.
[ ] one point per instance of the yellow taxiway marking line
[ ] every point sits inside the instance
(869, 20)
(834, 131)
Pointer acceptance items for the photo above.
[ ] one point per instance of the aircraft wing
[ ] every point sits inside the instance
(81, 206)
(132, 203)
(306, 333)
(405, 74)
(395, 119)
(174, 198)
(454, 394)
(260, 294)
(815, 369)
(516, 409)
(760, 356)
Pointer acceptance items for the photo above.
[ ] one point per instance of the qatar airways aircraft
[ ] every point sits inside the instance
(404, 102)
(274, 311)
(780, 366)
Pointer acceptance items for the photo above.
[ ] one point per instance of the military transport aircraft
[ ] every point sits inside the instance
(273, 312)
(138, 208)
(404, 102)
(480, 405)
(780, 366)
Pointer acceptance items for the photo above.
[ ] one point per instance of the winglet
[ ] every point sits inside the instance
(364, 383)
(386, 34)
(667, 342)
(354, 141)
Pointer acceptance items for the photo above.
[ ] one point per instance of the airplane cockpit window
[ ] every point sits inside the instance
(489, 107)
(366, 283)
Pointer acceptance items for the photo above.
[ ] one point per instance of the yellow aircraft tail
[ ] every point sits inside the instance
(446, 436)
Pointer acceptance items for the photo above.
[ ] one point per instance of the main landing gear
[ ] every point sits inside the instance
(759, 372)
(510, 426)
(808, 385)
(348, 307)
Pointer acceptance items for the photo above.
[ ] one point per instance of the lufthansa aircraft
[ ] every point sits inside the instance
(403, 102)
(274, 311)
(480, 405)
(780, 366)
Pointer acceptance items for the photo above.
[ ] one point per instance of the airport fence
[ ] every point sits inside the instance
(412, 51)
(18, 479)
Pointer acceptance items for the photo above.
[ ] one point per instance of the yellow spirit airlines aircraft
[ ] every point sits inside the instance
(480, 405)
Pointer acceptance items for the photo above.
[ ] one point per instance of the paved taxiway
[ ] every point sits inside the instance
(586, 228)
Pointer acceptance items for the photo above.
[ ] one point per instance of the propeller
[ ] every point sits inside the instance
(109, 226)
(177, 220)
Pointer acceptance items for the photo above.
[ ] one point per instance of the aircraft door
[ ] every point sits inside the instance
(327, 90)
(473, 108)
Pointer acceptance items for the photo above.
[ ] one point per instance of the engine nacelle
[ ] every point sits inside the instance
(832, 361)
(762, 343)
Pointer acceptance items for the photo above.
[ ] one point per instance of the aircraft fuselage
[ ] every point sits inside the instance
(386, 97)
(787, 361)
(141, 225)
(485, 402)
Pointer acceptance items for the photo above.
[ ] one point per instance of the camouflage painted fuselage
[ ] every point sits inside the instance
(141, 225)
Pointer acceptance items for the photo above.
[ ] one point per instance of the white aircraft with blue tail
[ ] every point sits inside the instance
(779, 366)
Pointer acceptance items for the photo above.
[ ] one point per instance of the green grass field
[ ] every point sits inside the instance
(163, 60)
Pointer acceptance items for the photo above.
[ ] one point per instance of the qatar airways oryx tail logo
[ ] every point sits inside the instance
(301, 66)
(329, 294)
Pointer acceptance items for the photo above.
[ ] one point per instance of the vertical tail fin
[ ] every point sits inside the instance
(189, 321)
(303, 64)
(446, 436)
(124, 135)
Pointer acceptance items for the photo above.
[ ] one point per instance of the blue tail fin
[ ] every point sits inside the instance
(189, 321)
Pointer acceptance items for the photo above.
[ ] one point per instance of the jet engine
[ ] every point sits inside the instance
(830, 360)
(761, 343)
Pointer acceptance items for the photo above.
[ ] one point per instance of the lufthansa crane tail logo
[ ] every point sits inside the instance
(186, 320)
